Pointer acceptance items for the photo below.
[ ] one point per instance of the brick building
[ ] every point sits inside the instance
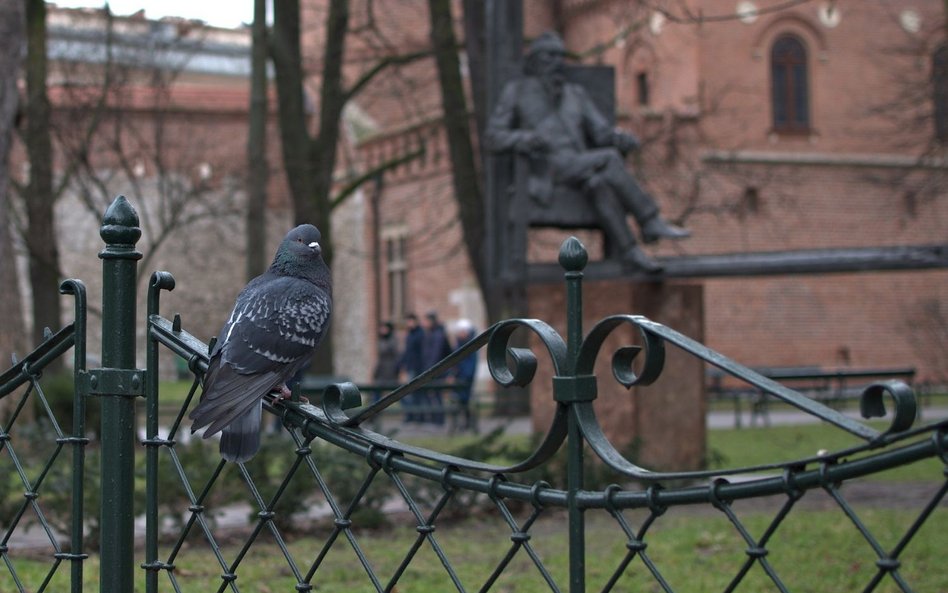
(855, 158)
(766, 127)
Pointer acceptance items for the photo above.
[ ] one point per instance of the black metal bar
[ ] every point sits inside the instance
(51, 349)
(79, 439)
(159, 281)
(776, 263)
(573, 259)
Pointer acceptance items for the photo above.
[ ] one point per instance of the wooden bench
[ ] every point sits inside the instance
(833, 387)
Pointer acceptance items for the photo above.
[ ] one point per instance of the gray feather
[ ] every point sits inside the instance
(278, 321)
(241, 438)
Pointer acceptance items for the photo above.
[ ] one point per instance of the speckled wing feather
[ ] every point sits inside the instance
(276, 324)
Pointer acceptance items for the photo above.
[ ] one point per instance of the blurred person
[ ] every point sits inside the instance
(435, 346)
(387, 358)
(463, 375)
(410, 362)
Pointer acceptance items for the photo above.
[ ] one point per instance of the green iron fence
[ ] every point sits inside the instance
(329, 471)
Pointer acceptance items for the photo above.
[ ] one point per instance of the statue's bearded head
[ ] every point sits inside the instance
(545, 56)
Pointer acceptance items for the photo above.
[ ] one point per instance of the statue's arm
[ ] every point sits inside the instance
(596, 126)
(502, 135)
(600, 132)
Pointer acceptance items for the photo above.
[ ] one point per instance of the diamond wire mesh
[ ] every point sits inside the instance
(818, 520)
(754, 572)
(341, 513)
(31, 445)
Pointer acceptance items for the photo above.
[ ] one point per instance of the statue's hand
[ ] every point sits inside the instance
(531, 143)
(624, 141)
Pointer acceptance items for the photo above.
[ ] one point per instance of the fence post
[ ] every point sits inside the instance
(573, 259)
(118, 384)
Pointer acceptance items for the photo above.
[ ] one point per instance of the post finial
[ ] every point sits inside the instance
(120, 223)
(573, 255)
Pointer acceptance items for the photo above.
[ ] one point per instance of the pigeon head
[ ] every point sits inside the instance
(300, 253)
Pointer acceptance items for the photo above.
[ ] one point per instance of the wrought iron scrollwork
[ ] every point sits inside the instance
(508, 366)
(871, 404)
(650, 358)
(622, 360)
(574, 383)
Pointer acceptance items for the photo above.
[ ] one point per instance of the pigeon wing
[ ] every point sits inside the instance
(270, 335)
(276, 328)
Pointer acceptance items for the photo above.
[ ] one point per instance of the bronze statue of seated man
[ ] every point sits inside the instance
(568, 141)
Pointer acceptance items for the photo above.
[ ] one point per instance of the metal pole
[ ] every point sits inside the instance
(78, 440)
(159, 281)
(119, 266)
(502, 50)
(573, 259)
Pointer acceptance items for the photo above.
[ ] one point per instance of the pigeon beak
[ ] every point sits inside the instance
(315, 247)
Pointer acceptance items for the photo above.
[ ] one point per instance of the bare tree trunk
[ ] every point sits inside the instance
(288, 64)
(40, 233)
(257, 167)
(464, 172)
(332, 100)
(322, 148)
(11, 307)
(309, 162)
(475, 40)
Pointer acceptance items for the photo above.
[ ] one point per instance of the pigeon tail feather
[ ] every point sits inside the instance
(229, 397)
(240, 440)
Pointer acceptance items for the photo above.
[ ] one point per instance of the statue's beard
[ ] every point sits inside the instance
(552, 82)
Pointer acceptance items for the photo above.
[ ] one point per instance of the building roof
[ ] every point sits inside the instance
(83, 35)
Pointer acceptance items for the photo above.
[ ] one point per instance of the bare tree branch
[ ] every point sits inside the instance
(352, 185)
(381, 66)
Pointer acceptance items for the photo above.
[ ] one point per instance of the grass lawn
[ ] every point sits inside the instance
(694, 551)
(173, 393)
(753, 446)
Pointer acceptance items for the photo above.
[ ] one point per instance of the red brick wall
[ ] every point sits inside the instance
(710, 91)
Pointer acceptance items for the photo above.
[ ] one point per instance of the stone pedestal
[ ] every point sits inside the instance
(659, 426)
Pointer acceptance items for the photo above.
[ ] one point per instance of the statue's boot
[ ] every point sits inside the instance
(612, 219)
(636, 201)
(657, 228)
(636, 258)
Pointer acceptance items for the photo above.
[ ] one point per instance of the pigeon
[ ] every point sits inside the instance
(277, 323)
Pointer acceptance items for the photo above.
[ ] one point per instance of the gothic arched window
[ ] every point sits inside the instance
(790, 96)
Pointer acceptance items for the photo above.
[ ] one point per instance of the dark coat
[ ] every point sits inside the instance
(411, 360)
(435, 346)
(466, 369)
(386, 369)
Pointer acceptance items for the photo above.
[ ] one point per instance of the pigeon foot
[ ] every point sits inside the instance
(286, 393)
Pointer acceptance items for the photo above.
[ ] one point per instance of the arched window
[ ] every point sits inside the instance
(790, 92)
(940, 92)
